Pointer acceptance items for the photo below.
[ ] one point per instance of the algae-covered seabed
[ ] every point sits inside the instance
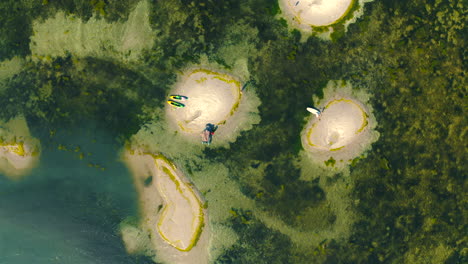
(87, 75)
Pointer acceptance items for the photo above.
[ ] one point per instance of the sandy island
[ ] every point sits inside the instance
(171, 210)
(345, 129)
(212, 98)
(19, 152)
(341, 122)
(315, 12)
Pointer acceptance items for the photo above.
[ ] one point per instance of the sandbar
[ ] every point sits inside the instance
(342, 120)
(19, 152)
(316, 12)
(345, 129)
(171, 209)
(212, 98)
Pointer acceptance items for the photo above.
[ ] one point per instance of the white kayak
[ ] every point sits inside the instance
(314, 111)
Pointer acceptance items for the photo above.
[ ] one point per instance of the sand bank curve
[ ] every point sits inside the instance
(171, 209)
(182, 217)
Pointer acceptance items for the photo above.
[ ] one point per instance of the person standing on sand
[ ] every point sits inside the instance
(207, 133)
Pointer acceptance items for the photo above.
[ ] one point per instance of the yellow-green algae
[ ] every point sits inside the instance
(214, 176)
(8, 68)
(63, 34)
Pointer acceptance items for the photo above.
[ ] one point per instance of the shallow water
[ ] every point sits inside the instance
(399, 200)
(66, 211)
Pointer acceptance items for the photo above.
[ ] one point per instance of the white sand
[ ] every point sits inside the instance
(19, 152)
(315, 12)
(307, 15)
(212, 98)
(346, 127)
(216, 98)
(172, 211)
(341, 122)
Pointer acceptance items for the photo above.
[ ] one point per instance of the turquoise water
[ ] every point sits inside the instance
(66, 211)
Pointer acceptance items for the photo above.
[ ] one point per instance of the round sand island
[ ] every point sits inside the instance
(316, 12)
(326, 19)
(203, 96)
(172, 210)
(19, 152)
(213, 97)
(343, 121)
(344, 130)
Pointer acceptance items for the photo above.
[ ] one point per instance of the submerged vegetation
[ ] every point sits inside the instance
(67, 91)
(260, 244)
(408, 194)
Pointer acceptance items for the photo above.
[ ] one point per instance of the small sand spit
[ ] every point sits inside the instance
(19, 152)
